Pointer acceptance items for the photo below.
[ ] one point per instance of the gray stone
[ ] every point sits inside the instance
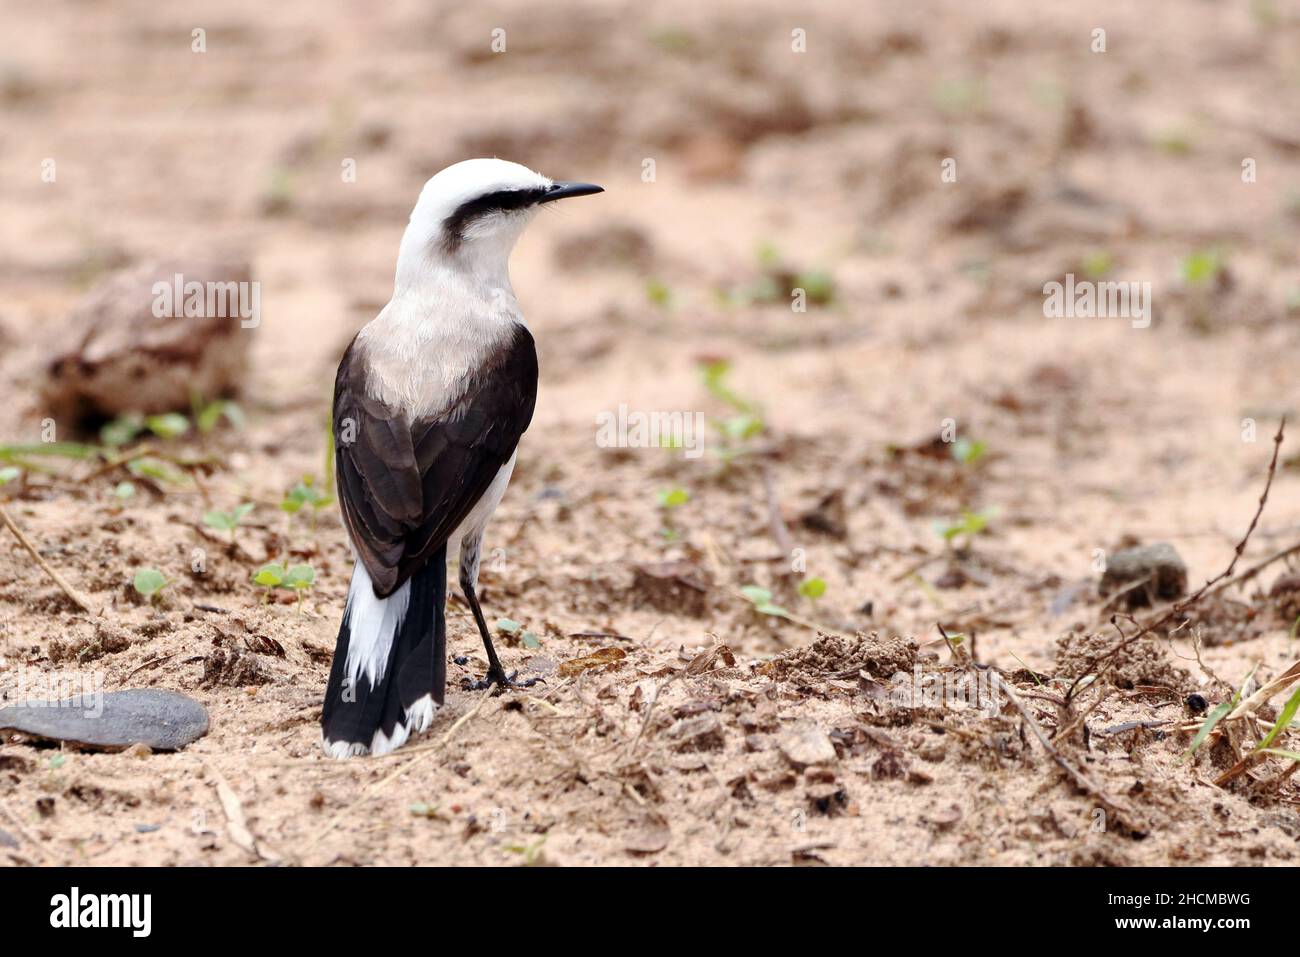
(162, 720)
(1159, 566)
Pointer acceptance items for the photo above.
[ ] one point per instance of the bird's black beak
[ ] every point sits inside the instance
(565, 190)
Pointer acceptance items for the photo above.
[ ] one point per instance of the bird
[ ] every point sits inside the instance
(430, 401)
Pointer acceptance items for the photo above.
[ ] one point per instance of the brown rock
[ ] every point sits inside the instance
(805, 744)
(123, 358)
(1159, 566)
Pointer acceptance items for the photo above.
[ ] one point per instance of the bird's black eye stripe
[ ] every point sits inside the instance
(502, 201)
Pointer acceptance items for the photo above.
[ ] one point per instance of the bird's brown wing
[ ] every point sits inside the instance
(405, 486)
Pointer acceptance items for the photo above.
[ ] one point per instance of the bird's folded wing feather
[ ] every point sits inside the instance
(405, 486)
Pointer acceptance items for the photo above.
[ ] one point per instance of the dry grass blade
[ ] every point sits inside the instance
(236, 824)
(77, 598)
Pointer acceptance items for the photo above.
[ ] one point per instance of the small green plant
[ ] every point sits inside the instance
(208, 415)
(270, 575)
(227, 521)
(9, 473)
(746, 424)
(531, 853)
(128, 428)
(1215, 716)
(968, 525)
(297, 578)
(968, 451)
(1097, 265)
(812, 589)
(150, 582)
(761, 599)
(658, 293)
(526, 638)
(1202, 267)
(306, 493)
(670, 499)
(1283, 721)
(123, 491)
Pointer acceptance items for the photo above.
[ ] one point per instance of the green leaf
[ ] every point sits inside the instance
(124, 490)
(1283, 719)
(299, 577)
(813, 588)
(1281, 753)
(673, 497)
(529, 640)
(149, 581)
(658, 293)
(1216, 716)
(9, 473)
(120, 431)
(508, 626)
(168, 425)
(759, 596)
(66, 450)
(968, 452)
(213, 412)
(270, 574)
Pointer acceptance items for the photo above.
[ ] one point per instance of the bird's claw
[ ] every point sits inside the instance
(500, 680)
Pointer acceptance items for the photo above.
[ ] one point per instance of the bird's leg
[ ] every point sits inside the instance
(496, 675)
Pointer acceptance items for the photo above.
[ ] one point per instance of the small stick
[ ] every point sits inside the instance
(1179, 607)
(58, 579)
(1081, 780)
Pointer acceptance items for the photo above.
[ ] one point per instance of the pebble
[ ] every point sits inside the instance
(161, 720)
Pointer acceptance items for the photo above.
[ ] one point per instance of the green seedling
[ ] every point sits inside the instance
(812, 589)
(968, 451)
(1215, 716)
(969, 525)
(207, 416)
(761, 599)
(127, 428)
(270, 575)
(306, 493)
(511, 627)
(669, 499)
(123, 491)
(740, 428)
(1202, 267)
(299, 578)
(150, 582)
(531, 853)
(9, 473)
(1098, 265)
(227, 521)
(1283, 720)
(658, 293)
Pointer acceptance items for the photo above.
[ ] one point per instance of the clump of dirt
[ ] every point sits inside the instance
(832, 654)
(1145, 662)
(108, 639)
(234, 668)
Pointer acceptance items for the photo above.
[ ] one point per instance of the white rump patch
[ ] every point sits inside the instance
(373, 623)
(418, 718)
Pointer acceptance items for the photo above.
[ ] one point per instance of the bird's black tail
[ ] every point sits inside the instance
(390, 663)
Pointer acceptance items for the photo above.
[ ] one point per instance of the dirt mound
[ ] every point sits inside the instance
(832, 655)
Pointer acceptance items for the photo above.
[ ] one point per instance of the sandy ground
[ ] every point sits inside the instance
(768, 163)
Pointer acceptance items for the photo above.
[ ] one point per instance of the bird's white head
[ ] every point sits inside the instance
(470, 215)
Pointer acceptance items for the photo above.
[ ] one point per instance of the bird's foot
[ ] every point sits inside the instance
(498, 680)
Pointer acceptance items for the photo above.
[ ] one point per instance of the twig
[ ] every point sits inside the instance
(236, 825)
(1080, 779)
(49, 570)
(779, 530)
